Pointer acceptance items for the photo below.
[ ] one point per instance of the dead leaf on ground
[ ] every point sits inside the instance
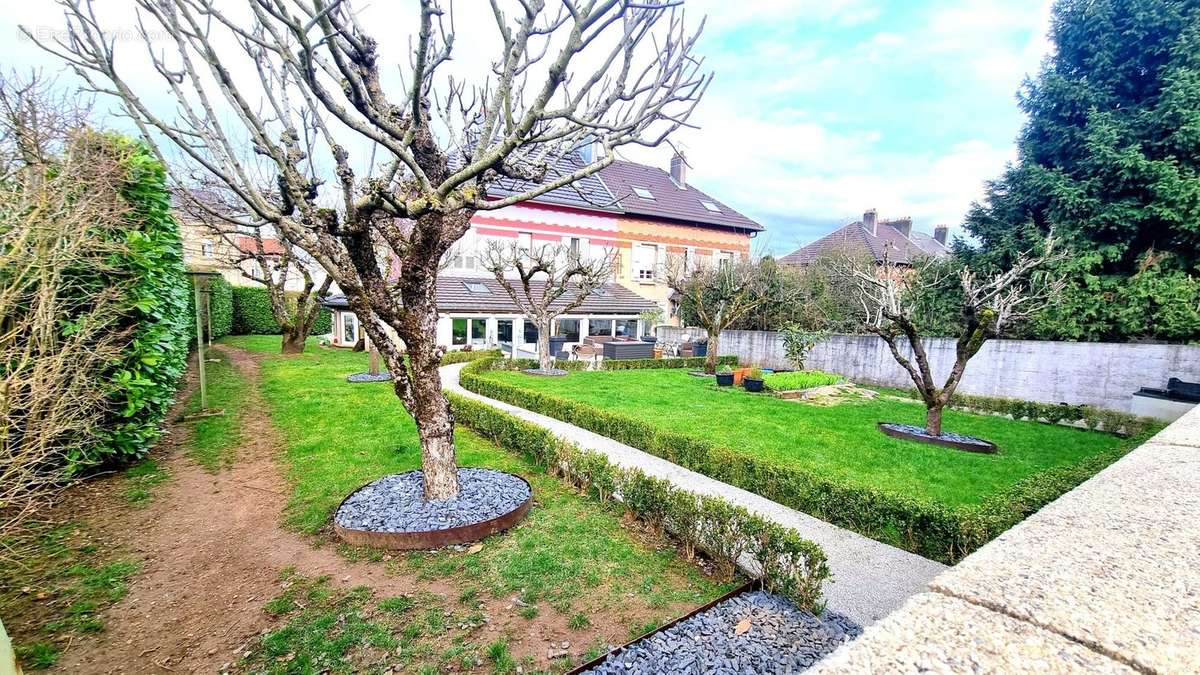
(475, 549)
(742, 626)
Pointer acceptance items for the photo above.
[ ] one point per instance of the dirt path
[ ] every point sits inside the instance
(213, 549)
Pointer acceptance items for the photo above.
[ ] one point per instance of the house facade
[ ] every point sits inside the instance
(640, 215)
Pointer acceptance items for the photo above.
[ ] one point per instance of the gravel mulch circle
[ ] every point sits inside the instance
(948, 438)
(396, 503)
(549, 372)
(778, 638)
(368, 377)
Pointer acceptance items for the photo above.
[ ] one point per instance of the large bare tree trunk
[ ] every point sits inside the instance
(933, 421)
(293, 340)
(545, 358)
(710, 360)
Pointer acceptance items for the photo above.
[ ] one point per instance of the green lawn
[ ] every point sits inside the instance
(572, 557)
(839, 440)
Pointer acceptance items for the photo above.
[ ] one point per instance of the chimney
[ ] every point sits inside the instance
(901, 225)
(679, 170)
(869, 219)
(940, 232)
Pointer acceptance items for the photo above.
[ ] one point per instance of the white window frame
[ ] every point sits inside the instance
(640, 272)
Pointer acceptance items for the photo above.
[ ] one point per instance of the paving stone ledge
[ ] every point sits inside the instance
(1104, 579)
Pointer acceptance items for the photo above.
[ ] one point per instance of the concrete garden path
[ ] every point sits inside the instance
(870, 578)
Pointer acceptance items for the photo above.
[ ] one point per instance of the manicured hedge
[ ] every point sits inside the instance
(617, 364)
(220, 303)
(790, 565)
(461, 356)
(252, 313)
(922, 526)
(1110, 421)
(154, 279)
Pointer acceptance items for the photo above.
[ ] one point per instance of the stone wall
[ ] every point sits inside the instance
(1096, 373)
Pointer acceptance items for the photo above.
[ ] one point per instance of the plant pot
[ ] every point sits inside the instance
(701, 349)
(658, 351)
(725, 379)
(752, 384)
(739, 373)
(649, 338)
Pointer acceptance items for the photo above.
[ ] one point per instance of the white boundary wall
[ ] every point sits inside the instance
(1097, 373)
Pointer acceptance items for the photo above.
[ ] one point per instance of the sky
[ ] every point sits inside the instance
(819, 109)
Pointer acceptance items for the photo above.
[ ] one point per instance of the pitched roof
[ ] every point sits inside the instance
(670, 200)
(453, 295)
(586, 193)
(855, 237)
(612, 190)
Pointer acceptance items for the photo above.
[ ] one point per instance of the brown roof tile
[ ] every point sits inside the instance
(854, 237)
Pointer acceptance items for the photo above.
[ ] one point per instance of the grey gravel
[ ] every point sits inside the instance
(396, 503)
(368, 377)
(914, 430)
(781, 639)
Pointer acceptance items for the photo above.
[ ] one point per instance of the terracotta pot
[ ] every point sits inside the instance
(739, 373)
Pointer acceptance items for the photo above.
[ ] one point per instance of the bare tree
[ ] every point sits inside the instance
(265, 259)
(890, 297)
(714, 297)
(430, 148)
(554, 280)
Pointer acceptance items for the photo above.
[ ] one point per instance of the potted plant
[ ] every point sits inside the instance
(753, 381)
(725, 377)
(650, 320)
(701, 347)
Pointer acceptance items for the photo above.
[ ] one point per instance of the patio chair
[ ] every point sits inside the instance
(586, 353)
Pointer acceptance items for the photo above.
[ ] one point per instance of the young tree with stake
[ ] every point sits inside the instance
(367, 168)
(554, 280)
(891, 300)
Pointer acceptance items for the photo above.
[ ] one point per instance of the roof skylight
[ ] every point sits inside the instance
(477, 287)
(711, 206)
(642, 192)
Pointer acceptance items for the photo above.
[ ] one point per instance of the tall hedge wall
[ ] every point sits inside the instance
(252, 313)
(156, 288)
(220, 303)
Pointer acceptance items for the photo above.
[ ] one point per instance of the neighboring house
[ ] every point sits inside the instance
(208, 250)
(639, 214)
(877, 238)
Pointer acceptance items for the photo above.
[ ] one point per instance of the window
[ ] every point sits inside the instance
(477, 287)
(598, 327)
(689, 259)
(504, 330)
(530, 332)
(206, 249)
(478, 330)
(349, 328)
(525, 241)
(645, 261)
(464, 262)
(644, 193)
(569, 329)
(574, 245)
(458, 332)
(711, 206)
(627, 328)
(724, 259)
